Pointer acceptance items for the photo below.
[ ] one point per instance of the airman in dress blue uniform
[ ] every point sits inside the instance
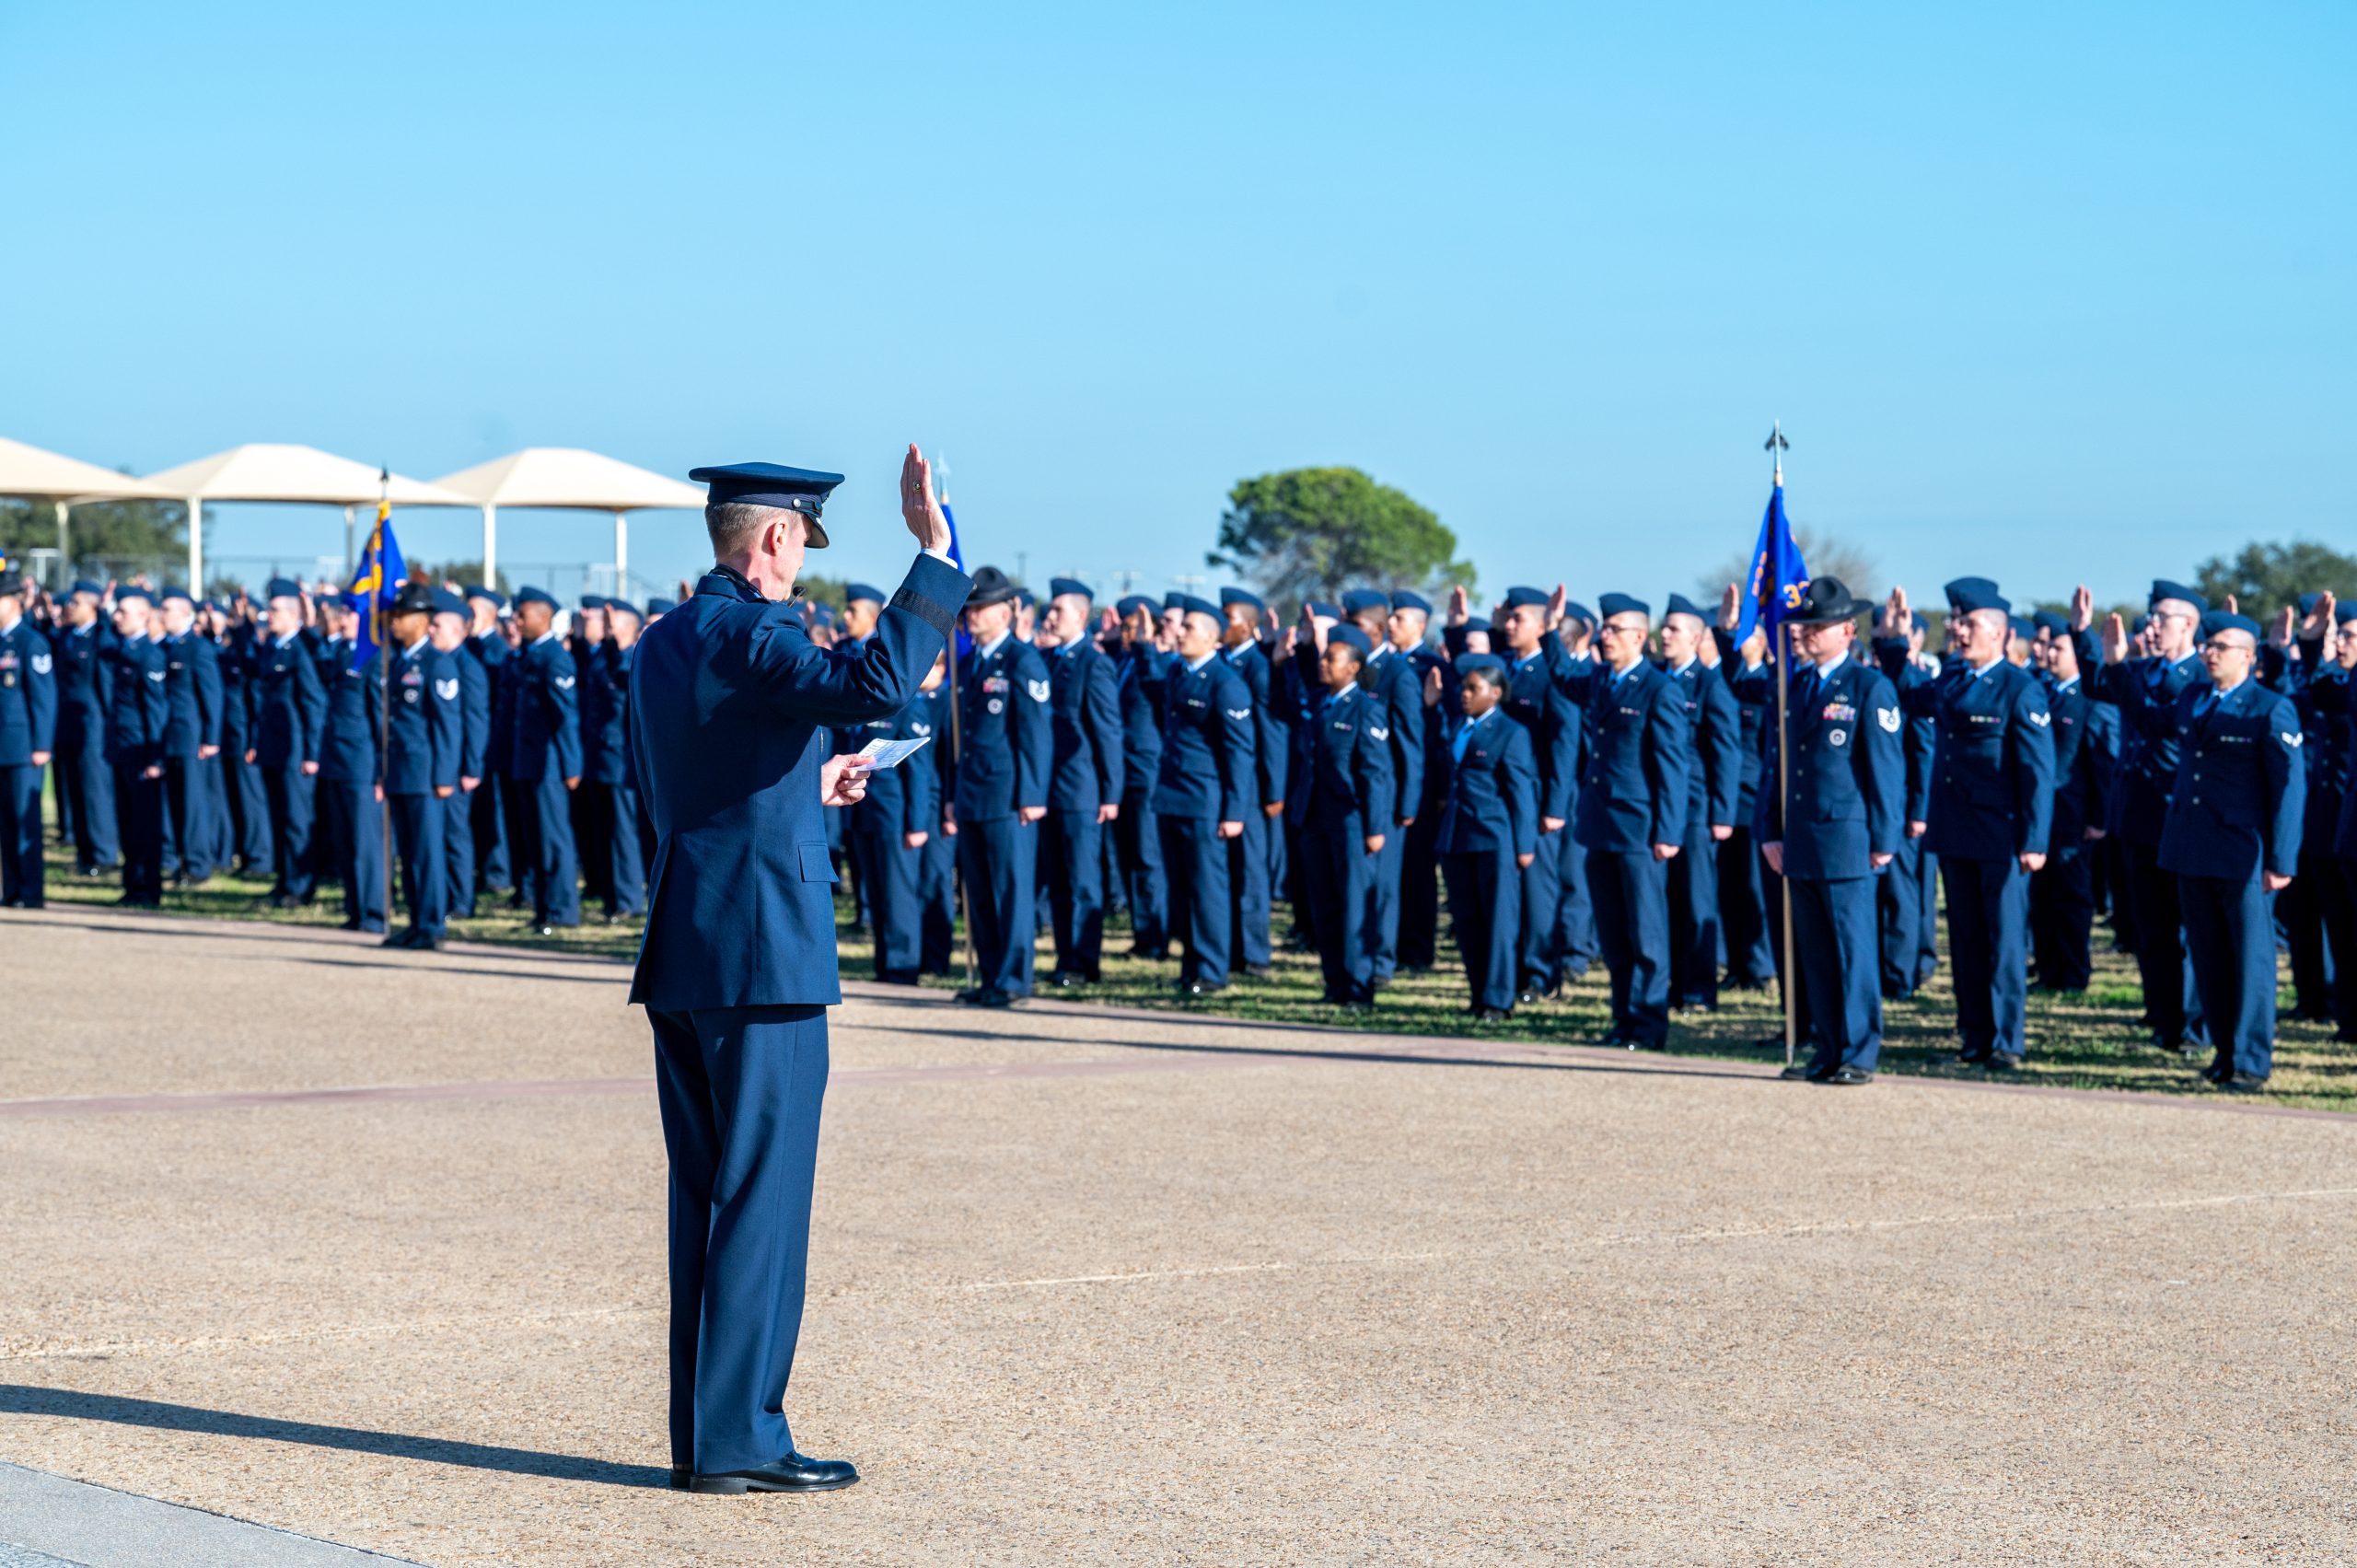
(626, 855)
(1253, 863)
(448, 629)
(1006, 750)
(1137, 839)
(1632, 811)
(85, 781)
(28, 741)
(1086, 775)
(350, 793)
(2328, 844)
(1743, 881)
(2291, 662)
(890, 828)
(1575, 941)
(2232, 838)
(245, 798)
(487, 811)
(1991, 809)
(290, 711)
(1906, 895)
(136, 714)
(1407, 629)
(1835, 825)
(1342, 798)
(1553, 727)
(544, 759)
(1488, 833)
(732, 709)
(1395, 679)
(1714, 780)
(191, 738)
(1204, 790)
(2062, 895)
(424, 738)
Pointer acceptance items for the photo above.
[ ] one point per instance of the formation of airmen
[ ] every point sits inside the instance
(1589, 786)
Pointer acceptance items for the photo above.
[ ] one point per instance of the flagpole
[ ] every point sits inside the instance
(384, 686)
(1783, 775)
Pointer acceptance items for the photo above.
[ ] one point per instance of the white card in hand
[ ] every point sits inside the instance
(891, 753)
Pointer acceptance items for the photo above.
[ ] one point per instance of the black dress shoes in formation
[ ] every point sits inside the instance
(792, 1473)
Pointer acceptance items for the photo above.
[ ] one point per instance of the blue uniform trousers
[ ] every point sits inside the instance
(1071, 867)
(890, 871)
(139, 827)
(1631, 893)
(224, 844)
(290, 795)
(626, 859)
(1898, 910)
(2061, 919)
(488, 821)
(1743, 910)
(937, 894)
(1138, 840)
(1575, 939)
(1538, 940)
(1485, 912)
(1247, 891)
(1694, 920)
(419, 837)
(249, 804)
(739, 1089)
(1927, 920)
(1338, 876)
(1838, 1002)
(2312, 922)
(189, 831)
(1988, 943)
(547, 842)
(458, 853)
(2230, 932)
(2172, 1006)
(85, 802)
(1419, 891)
(21, 865)
(998, 860)
(1195, 856)
(348, 823)
(1391, 871)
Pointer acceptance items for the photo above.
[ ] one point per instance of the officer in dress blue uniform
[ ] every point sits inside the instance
(890, 828)
(244, 796)
(1342, 798)
(1391, 677)
(1086, 776)
(85, 781)
(625, 876)
(487, 810)
(937, 875)
(544, 759)
(331, 646)
(2146, 690)
(1714, 780)
(1576, 940)
(1004, 752)
(2062, 897)
(1991, 807)
(2232, 838)
(731, 710)
(2290, 662)
(1632, 810)
(1553, 725)
(1137, 839)
(135, 745)
(2327, 645)
(1205, 789)
(1834, 827)
(191, 738)
(27, 741)
(448, 629)
(1906, 901)
(1488, 833)
(599, 711)
(425, 735)
(1408, 627)
(1743, 882)
(1253, 863)
(1298, 684)
(290, 711)
(350, 793)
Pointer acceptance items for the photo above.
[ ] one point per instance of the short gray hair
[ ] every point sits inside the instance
(733, 525)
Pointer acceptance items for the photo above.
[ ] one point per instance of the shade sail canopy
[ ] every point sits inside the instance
(30, 471)
(569, 477)
(269, 471)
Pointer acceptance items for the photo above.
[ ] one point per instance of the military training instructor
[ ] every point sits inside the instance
(732, 709)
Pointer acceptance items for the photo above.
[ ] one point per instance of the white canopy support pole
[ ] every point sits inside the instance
(64, 541)
(491, 548)
(196, 546)
(621, 554)
(351, 562)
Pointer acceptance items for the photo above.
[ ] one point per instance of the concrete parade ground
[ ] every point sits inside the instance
(318, 1243)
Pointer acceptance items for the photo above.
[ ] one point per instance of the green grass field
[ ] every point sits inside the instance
(2087, 1043)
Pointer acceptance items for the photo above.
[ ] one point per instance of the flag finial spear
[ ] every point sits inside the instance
(1777, 445)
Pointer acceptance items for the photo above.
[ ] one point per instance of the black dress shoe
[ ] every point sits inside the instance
(1847, 1077)
(1796, 1072)
(1491, 1014)
(405, 938)
(1356, 1009)
(1139, 951)
(1257, 971)
(2003, 1061)
(1966, 1059)
(2244, 1083)
(1194, 988)
(1528, 996)
(353, 924)
(1615, 1040)
(792, 1473)
(985, 997)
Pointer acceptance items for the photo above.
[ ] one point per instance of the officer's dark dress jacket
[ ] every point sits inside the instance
(1492, 801)
(428, 731)
(731, 708)
(28, 694)
(1006, 742)
(1845, 792)
(906, 799)
(474, 712)
(236, 652)
(545, 727)
(1087, 766)
(2145, 691)
(81, 695)
(599, 700)
(1639, 753)
(498, 661)
(1993, 774)
(350, 738)
(1345, 788)
(2241, 795)
(1207, 740)
(1396, 681)
(1533, 700)
(290, 706)
(1270, 741)
(192, 694)
(2082, 763)
(1712, 719)
(136, 701)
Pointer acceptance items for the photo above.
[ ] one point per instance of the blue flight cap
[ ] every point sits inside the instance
(823, 614)
(1467, 663)
(1190, 605)
(1025, 598)
(2344, 613)
(1319, 607)
(2024, 628)
(1405, 599)
(447, 603)
(656, 607)
(84, 585)
(863, 590)
(1678, 604)
(2053, 622)
(2162, 588)
(124, 595)
(174, 591)
(1622, 604)
(770, 484)
(1520, 595)
(1922, 624)
(1352, 637)
(1360, 600)
(2308, 603)
(525, 596)
(2216, 621)
(625, 606)
(1475, 623)
(1240, 596)
(1059, 586)
(1968, 594)
(1574, 610)
(1172, 599)
(1130, 604)
(492, 597)
(277, 588)
(593, 601)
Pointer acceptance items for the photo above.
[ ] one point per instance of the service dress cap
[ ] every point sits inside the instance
(625, 606)
(593, 601)
(96, 590)
(125, 596)
(447, 603)
(1231, 597)
(1968, 594)
(174, 591)
(492, 597)
(2023, 627)
(869, 591)
(2216, 621)
(1319, 607)
(282, 587)
(1574, 610)
(2052, 622)
(658, 606)
(770, 484)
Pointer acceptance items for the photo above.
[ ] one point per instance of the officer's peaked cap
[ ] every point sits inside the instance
(770, 484)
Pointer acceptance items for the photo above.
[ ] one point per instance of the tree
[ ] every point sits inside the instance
(1825, 555)
(1318, 531)
(2265, 577)
(124, 531)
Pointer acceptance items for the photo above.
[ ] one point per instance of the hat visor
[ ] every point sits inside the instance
(814, 536)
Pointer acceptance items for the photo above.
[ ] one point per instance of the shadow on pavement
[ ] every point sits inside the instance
(18, 1398)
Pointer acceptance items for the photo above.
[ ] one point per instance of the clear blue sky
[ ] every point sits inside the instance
(2044, 292)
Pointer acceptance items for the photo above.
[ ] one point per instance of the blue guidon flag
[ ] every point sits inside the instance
(1777, 574)
(381, 570)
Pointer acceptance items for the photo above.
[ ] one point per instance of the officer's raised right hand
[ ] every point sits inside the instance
(919, 507)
